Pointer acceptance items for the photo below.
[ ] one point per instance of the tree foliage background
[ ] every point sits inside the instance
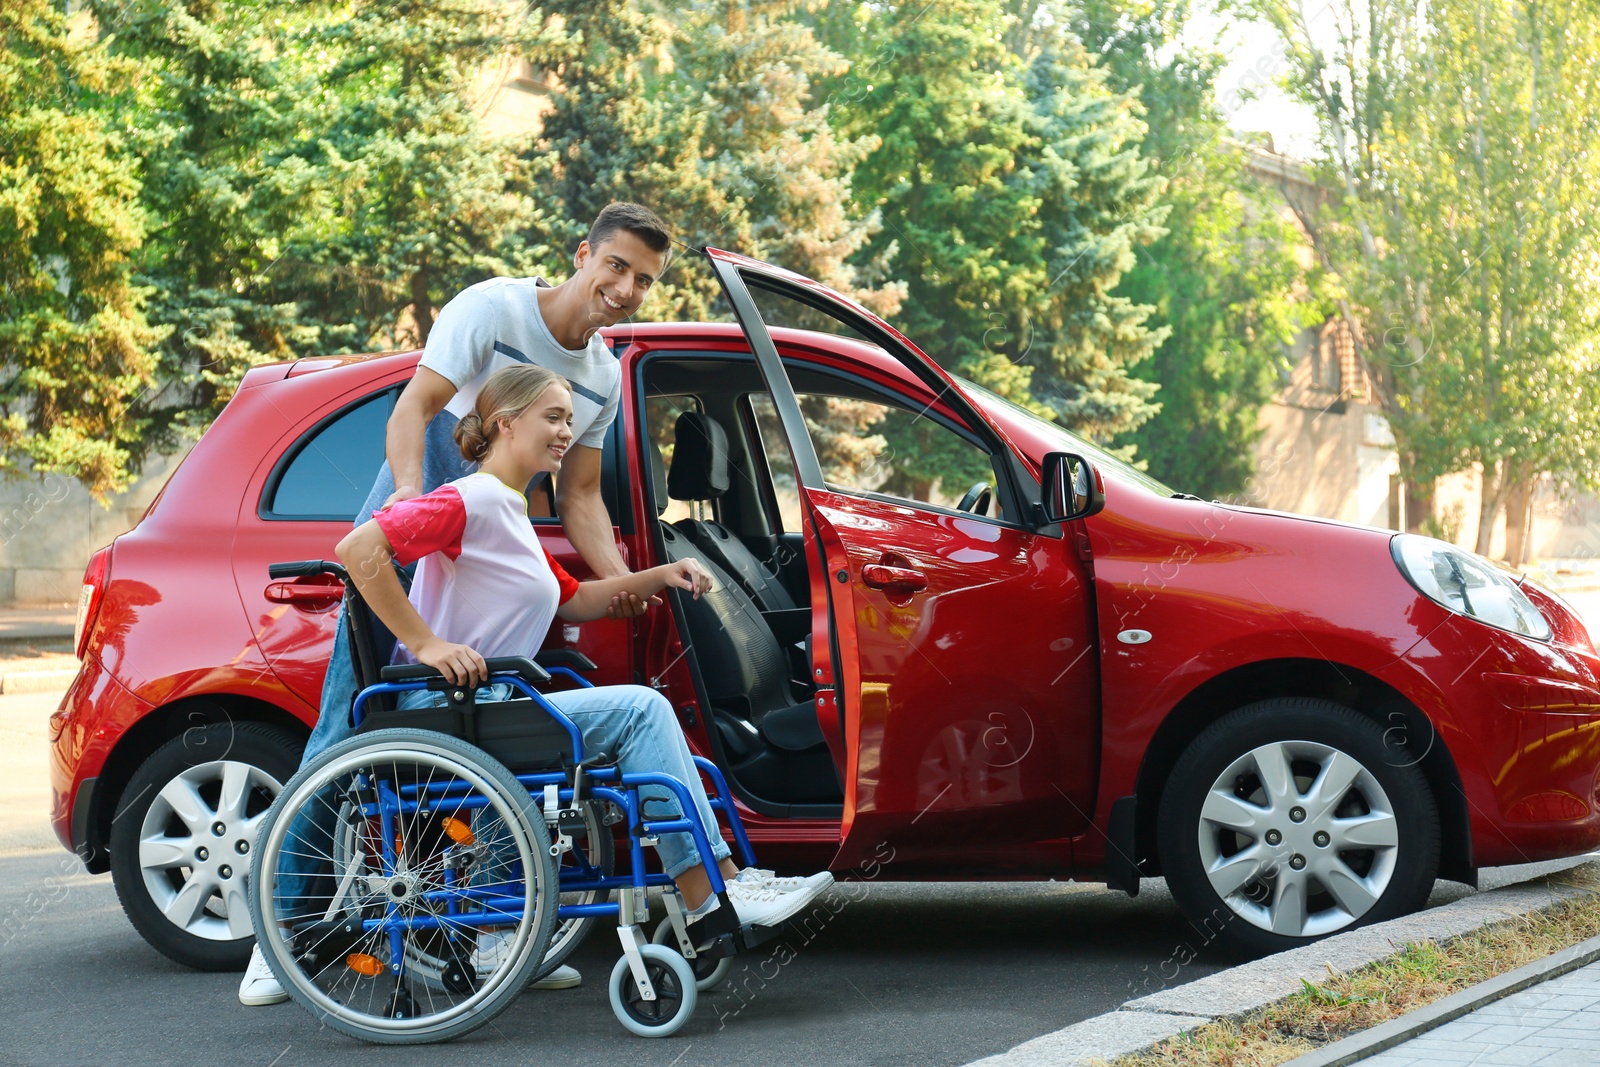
(1461, 142)
(1043, 193)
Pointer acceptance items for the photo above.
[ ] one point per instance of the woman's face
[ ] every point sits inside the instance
(541, 434)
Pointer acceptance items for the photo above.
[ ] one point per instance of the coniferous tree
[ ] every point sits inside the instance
(74, 340)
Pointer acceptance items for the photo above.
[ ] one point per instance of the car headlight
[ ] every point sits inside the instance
(1468, 584)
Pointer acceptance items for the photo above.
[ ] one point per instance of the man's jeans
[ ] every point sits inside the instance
(310, 837)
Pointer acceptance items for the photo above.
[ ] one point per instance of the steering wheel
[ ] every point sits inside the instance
(977, 499)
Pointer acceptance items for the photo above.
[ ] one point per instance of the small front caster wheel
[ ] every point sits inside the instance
(676, 994)
(707, 971)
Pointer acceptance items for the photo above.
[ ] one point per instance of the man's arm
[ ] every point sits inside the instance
(583, 513)
(423, 397)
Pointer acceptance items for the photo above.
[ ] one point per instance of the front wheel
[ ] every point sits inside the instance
(675, 991)
(1292, 819)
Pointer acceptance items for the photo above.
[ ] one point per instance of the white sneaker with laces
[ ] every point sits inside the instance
(259, 987)
(764, 906)
(760, 876)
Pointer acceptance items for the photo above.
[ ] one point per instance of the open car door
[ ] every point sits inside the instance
(952, 632)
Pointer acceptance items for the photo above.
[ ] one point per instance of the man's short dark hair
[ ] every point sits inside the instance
(637, 219)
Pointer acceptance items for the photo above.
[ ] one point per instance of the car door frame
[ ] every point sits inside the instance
(1017, 484)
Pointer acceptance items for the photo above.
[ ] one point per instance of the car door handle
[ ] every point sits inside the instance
(305, 594)
(894, 579)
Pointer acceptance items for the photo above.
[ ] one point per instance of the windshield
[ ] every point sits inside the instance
(1067, 441)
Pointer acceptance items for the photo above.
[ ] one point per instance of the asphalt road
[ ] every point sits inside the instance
(926, 974)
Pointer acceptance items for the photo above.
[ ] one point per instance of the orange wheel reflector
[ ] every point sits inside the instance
(399, 850)
(361, 963)
(459, 831)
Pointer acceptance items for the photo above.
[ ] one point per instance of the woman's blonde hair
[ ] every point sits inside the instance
(508, 393)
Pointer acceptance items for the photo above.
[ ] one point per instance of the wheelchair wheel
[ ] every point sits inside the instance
(675, 993)
(596, 852)
(416, 845)
(707, 971)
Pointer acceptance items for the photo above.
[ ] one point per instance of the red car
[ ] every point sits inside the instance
(948, 639)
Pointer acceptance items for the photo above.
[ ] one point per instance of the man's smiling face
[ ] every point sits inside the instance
(615, 276)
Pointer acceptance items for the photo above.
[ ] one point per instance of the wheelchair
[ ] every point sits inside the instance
(457, 853)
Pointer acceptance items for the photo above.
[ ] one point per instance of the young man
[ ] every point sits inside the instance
(498, 323)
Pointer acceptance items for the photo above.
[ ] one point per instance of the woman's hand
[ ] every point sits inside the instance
(459, 663)
(687, 574)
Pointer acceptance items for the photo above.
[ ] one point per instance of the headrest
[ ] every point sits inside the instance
(658, 478)
(699, 459)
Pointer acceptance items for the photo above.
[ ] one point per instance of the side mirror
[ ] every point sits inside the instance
(1072, 488)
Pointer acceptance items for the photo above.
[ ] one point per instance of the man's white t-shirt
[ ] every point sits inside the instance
(497, 323)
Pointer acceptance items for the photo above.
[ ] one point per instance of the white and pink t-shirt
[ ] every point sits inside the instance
(483, 579)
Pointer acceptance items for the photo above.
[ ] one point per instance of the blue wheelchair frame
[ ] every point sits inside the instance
(608, 783)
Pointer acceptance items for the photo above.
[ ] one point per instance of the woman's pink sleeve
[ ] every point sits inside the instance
(430, 523)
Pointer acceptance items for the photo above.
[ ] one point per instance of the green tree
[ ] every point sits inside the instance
(74, 340)
(1226, 278)
(211, 116)
(422, 198)
(1463, 141)
(705, 112)
(1012, 189)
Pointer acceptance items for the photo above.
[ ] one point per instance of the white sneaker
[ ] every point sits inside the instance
(494, 948)
(763, 906)
(563, 977)
(761, 877)
(259, 987)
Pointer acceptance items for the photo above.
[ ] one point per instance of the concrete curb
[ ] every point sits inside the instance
(1395, 1031)
(36, 681)
(1238, 991)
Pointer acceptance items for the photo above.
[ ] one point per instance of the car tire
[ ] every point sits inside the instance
(181, 881)
(1255, 812)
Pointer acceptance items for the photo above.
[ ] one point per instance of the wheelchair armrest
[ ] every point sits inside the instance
(306, 568)
(789, 625)
(565, 657)
(522, 665)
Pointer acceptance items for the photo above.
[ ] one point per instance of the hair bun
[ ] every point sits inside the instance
(470, 438)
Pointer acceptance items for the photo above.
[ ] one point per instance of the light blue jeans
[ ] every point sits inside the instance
(633, 727)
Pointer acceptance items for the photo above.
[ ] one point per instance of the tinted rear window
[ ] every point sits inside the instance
(331, 469)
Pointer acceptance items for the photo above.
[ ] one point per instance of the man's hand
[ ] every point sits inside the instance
(401, 492)
(459, 663)
(629, 606)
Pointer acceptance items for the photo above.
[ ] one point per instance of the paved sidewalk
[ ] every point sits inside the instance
(21, 624)
(1554, 1023)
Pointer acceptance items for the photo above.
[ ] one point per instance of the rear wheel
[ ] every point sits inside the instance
(1292, 819)
(404, 890)
(183, 835)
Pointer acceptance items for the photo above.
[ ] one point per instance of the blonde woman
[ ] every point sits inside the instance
(485, 588)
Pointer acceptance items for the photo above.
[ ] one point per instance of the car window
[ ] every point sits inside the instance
(661, 416)
(892, 450)
(780, 467)
(332, 467)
